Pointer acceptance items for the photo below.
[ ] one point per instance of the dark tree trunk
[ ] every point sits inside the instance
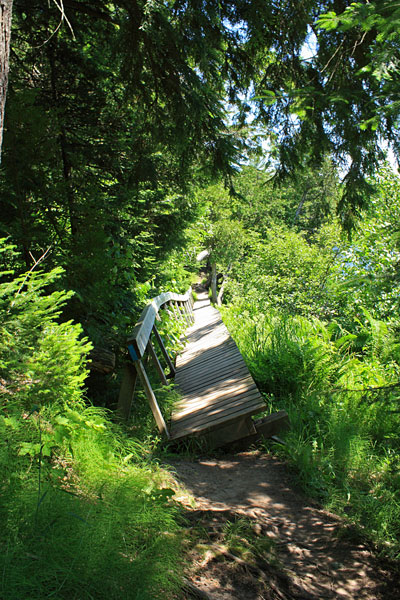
(62, 137)
(5, 37)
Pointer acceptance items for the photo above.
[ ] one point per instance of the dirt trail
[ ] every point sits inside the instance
(315, 560)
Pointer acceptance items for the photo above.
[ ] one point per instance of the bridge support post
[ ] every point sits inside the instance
(127, 391)
(155, 409)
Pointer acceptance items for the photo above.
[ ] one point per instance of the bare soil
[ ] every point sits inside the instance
(315, 555)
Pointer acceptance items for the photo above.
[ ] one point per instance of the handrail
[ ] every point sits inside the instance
(141, 333)
(139, 343)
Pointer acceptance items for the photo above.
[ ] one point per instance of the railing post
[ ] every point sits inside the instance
(189, 311)
(164, 351)
(155, 409)
(127, 392)
(156, 362)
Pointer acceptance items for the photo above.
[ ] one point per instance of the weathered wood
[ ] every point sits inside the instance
(269, 426)
(200, 388)
(245, 404)
(156, 363)
(230, 433)
(198, 353)
(164, 352)
(265, 428)
(218, 391)
(127, 391)
(151, 398)
(143, 328)
(210, 365)
(206, 426)
(219, 394)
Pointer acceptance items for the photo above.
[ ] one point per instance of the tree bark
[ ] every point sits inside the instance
(5, 37)
(214, 296)
(62, 138)
(223, 284)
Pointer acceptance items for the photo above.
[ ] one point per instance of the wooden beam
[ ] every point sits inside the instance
(155, 409)
(269, 426)
(156, 363)
(127, 391)
(230, 433)
(164, 351)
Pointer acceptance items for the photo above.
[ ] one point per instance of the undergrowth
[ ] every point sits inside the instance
(342, 393)
(86, 512)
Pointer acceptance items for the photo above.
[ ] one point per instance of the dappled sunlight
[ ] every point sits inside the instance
(310, 542)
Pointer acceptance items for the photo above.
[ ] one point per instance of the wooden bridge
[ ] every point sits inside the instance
(219, 396)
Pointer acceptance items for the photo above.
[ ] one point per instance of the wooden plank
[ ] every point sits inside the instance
(221, 388)
(219, 403)
(127, 391)
(218, 388)
(151, 398)
(232, 354)
(198, 427)
(201, 385)
(156, 363)
(209, 367)
(164, 351)
(142, 330)
(220, 407)
(225, 346)
(215, 381)
(209, 363)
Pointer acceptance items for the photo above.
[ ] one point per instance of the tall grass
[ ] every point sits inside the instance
(94, 519)
(341, 394)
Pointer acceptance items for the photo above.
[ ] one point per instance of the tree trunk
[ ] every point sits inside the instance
(221, 291)
(300, 206)
(5, 37)
(214, 296)
(62, 138)
(222, 288)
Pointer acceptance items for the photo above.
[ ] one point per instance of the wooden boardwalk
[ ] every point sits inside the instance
(217, 388)
(219, 395)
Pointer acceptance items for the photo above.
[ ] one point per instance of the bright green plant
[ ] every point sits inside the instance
(342, 398)
(85, 513)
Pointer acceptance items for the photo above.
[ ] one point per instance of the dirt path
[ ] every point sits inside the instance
(315, 560)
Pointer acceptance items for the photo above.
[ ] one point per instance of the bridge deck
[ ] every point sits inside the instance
(213, 378)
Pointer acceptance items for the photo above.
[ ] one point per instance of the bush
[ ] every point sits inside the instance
(84, 512)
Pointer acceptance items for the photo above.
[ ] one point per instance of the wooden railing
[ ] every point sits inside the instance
(140, 346)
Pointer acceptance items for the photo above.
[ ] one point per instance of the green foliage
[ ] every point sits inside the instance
(317, 319)
(343, 412)
(84, 511)
(88, 519)
(367, 274)
(286, 271)
(41, 361)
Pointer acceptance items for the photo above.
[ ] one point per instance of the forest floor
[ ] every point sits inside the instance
(251, 535)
